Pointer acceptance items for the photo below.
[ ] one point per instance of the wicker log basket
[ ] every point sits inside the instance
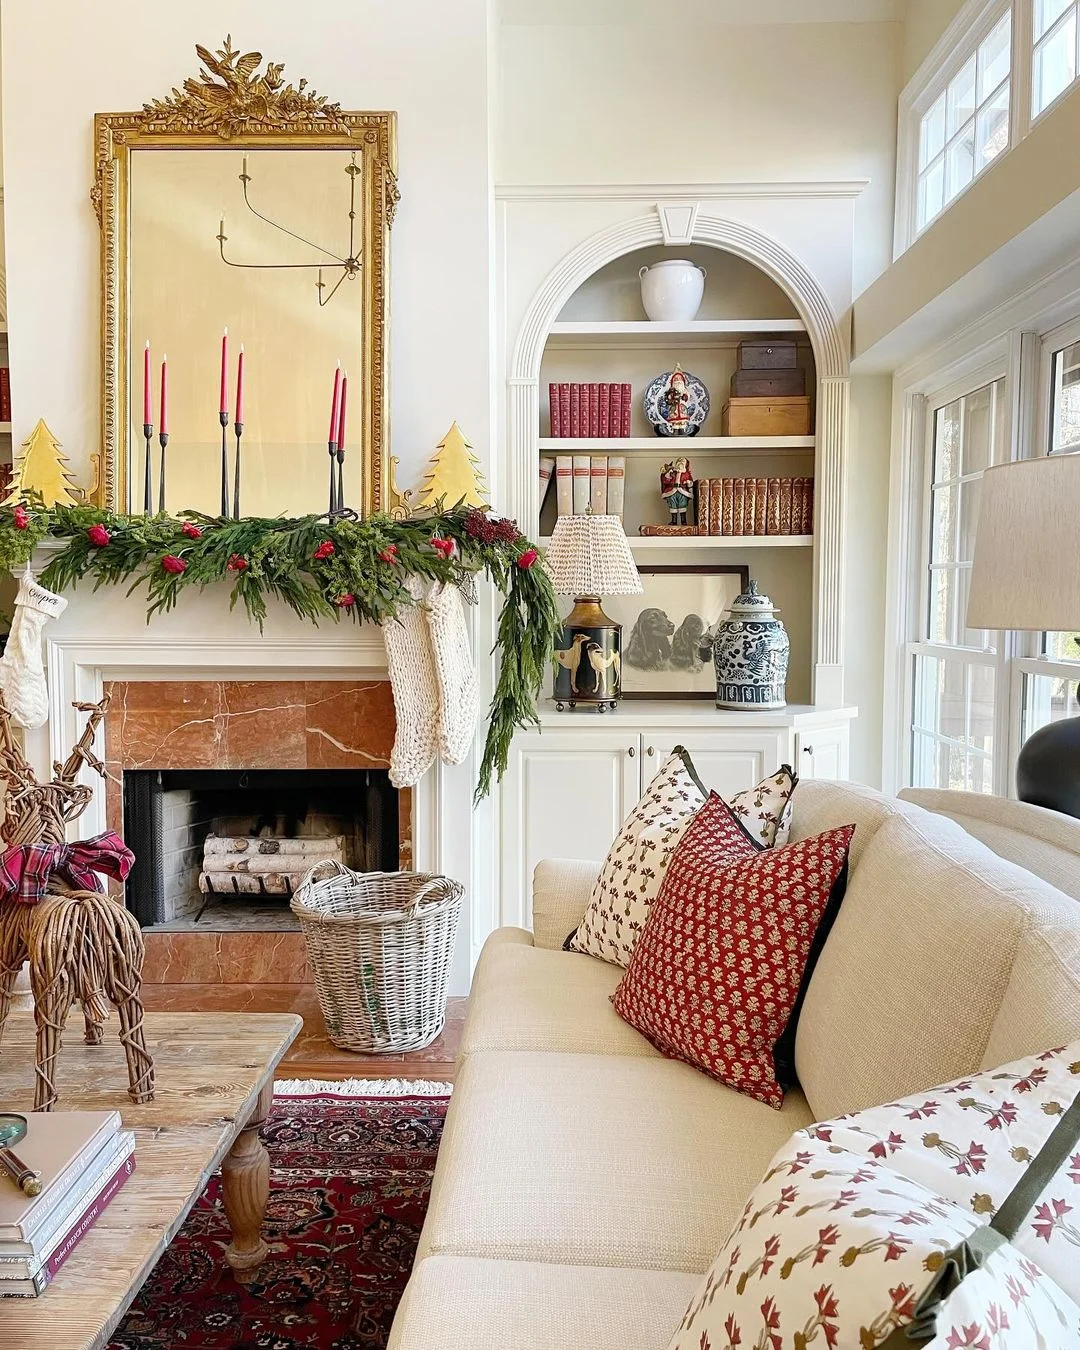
(380, 945)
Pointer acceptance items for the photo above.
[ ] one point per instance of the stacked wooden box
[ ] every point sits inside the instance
(768, 392)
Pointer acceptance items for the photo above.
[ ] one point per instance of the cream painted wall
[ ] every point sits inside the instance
(605, 104)
(426, 60)
(924, 23)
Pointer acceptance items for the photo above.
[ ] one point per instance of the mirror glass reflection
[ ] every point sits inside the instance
(182, 295)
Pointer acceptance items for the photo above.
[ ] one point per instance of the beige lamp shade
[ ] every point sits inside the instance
(1026, 572)
(590, 555)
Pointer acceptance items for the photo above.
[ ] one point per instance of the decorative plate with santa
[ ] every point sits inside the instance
(676, 403)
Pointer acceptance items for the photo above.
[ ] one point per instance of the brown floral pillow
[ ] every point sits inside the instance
(634, 869)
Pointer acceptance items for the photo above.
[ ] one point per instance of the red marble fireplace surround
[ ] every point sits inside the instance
(244, 724)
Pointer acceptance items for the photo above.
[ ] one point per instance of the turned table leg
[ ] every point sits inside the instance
(245, 1176)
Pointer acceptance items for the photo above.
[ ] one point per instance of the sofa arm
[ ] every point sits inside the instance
(561, 892)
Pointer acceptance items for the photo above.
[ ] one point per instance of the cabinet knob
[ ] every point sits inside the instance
(808, 749)
(631, 752)
(650, 752)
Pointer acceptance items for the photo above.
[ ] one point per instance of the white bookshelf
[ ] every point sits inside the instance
(682, 543)
(667, 446)
(645, 333)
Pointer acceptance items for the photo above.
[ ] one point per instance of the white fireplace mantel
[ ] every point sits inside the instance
(104, 635)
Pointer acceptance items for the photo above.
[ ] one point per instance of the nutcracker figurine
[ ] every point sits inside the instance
(677, 488)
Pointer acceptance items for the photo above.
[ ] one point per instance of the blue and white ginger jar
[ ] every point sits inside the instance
(751, 651)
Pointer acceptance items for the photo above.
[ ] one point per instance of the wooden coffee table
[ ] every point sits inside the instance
(215, 1079)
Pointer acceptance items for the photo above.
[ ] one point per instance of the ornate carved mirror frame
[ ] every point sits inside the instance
(234, 103)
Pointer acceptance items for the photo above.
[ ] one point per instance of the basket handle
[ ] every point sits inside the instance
(422, 894)
(323, 870)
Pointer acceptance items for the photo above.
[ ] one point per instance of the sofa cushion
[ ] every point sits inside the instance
(820, 806)
(596, 1160)
(453, 1302)
(529, 998)
(716, 974)
(911, 978)
(1042, 999)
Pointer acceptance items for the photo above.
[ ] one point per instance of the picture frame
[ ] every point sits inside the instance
(663, 626)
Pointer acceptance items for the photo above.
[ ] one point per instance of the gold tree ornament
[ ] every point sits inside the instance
(454, 476)
(42, 471)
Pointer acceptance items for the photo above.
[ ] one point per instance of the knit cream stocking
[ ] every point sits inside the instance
(416, 691)
(22, 671)
(459, 690)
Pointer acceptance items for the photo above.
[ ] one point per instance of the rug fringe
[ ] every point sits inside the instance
(362, 1087)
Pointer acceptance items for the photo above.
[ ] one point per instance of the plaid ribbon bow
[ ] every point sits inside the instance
(25, 870)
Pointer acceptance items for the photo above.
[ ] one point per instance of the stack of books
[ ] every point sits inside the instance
(758, 506)
(585, 483)
(83, 1157)
(589, 410)
(5, 394)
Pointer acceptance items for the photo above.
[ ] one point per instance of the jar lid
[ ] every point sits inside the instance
(752, 604)
(672, 262)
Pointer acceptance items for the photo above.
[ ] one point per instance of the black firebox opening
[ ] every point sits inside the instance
(170, 814)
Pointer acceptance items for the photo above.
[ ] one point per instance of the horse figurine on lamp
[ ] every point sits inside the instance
(80, 942)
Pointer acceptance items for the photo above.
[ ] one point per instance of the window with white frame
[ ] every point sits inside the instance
(954, 670)
(1055, 52)
(966, 127)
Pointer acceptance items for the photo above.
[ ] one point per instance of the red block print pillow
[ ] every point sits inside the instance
(716, 973)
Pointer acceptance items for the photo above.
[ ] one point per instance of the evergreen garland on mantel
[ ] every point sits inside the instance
(320, 568)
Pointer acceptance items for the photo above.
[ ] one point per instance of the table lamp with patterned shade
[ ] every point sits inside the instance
(589, 556)
(1026, 575)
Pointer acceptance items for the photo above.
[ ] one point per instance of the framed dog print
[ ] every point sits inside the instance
(667, 628)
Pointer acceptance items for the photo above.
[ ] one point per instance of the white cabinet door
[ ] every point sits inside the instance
(728, 760)
(822, 752)
(565, 795)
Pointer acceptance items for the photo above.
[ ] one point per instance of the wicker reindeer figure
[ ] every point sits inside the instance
(80, 942)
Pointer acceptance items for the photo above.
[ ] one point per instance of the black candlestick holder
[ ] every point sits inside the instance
(224, 419)
(163, 441)
(148, 484)
(332, 447)
(340, 479)
(238, 428)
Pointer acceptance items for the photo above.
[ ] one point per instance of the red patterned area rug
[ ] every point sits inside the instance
(350, 1181)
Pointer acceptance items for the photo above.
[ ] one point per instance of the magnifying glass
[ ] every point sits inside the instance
(12, 1130)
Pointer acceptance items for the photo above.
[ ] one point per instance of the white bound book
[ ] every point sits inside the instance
(616, 484)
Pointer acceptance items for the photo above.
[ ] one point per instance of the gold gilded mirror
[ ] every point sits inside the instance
(241, 202)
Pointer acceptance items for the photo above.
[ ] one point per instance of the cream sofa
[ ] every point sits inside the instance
(585, 1182)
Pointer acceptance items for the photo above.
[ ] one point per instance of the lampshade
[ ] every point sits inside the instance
(1026, 572)
(590, 555)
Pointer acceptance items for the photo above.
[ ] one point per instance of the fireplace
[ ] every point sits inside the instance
(226, 848)
(227, 791)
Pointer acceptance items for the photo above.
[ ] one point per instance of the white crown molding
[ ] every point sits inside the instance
(653, 192)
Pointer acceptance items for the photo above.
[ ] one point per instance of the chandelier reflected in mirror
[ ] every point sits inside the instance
(349, 266)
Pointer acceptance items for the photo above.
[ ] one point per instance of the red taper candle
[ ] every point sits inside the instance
(147, 414)
(239, 418)
(341, 415)
(335, 406)
(163, 424)
(223, 404)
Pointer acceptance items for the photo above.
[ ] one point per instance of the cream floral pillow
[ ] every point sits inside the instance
(635, 867)
(839, 1242)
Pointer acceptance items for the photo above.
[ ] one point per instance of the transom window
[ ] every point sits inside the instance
(1056, 56)
(967, 126)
